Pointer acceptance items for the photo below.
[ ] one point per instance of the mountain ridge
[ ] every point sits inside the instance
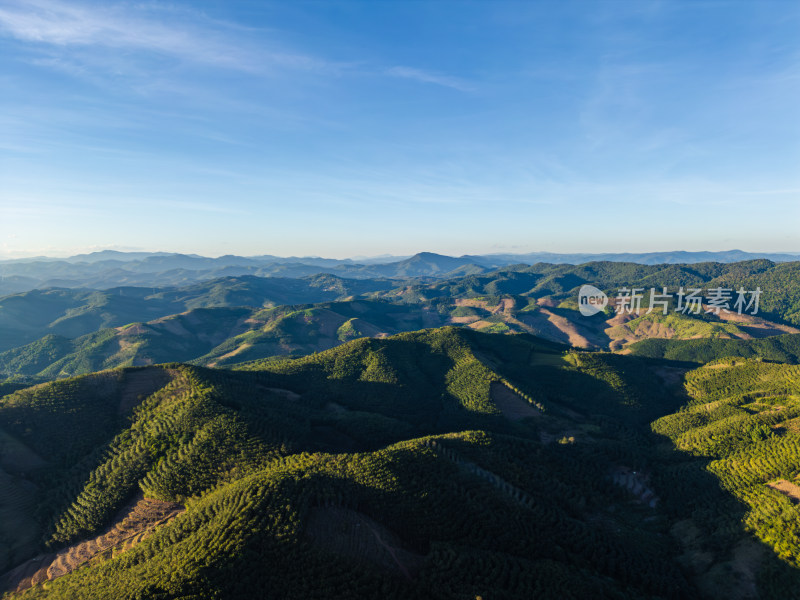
(159, 269)
(444, 463)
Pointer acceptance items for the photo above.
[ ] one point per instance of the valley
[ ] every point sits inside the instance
(474, 436)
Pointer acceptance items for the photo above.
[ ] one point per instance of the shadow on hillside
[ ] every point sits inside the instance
(722, 558)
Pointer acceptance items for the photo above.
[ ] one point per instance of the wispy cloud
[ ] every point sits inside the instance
(195, 39)
(428, 77)
(69, 35)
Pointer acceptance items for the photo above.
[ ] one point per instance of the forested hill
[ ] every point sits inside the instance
(107, 269)
(72, 313)
(443, 463)
(780, 348)
(58, 332)
(778, 282)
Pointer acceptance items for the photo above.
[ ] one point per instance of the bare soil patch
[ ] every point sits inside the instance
(512, 405)
(132, 524)
(233, 352)
(480, 324)
(431, 318)
(288, 394)
(135, 329)
(621, 335)
(723, 365)
(671, 376)
(757, 323)
(575, 337)
(366, 328)
(734, 579)
(172, 324)
(461, 320)
(328, 322)
(787, 488)
(504, 306)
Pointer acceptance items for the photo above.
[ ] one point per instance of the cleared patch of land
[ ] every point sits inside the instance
(574, 336)
(672, 376)
(288, 394)
(792, 490)
(133, 523)
(512, 405)
(139, 384)
(16, 456)
(480, 324)
(234, 352)
(19, 531)
(756, 326)
(504, 306)
(636, 483)
(354, 535)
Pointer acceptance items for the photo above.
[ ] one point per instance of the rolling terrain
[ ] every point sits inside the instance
(234, 319)
(72, 313)
(430, 437)
(220, 336)
(106, 269)
(444, 463)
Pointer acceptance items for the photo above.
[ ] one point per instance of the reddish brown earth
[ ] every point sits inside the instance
(132, 524)
(786, 488)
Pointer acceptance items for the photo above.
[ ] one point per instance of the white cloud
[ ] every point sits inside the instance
(194, 39)
(428, 77)
(87, 40)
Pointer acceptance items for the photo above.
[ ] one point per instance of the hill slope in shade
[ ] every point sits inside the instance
(438, 464)
(222, 336)
(73, 313)
(781, 348)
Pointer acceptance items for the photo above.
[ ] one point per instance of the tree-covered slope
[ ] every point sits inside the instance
(71, 313)
(219, 336)
(216, 336)
(54, 333)
(779, 282)
(257, 458)
(741, 428)
(443, 463)
(780, 348)
(180, 337)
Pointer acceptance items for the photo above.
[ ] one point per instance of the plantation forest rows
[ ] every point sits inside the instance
(439, 434)
(383, 468)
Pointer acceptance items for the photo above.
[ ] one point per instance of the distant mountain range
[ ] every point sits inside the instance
(107, 269)
(61, 332)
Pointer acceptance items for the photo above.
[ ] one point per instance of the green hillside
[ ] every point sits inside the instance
(444, 463)
(216, 336)
(741, 428)
(779, 282)
(57, 333)
(780, 348)
(180, 337)
(72, 313)
(220, 336)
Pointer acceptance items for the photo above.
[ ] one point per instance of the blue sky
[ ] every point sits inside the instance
(359, 128)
